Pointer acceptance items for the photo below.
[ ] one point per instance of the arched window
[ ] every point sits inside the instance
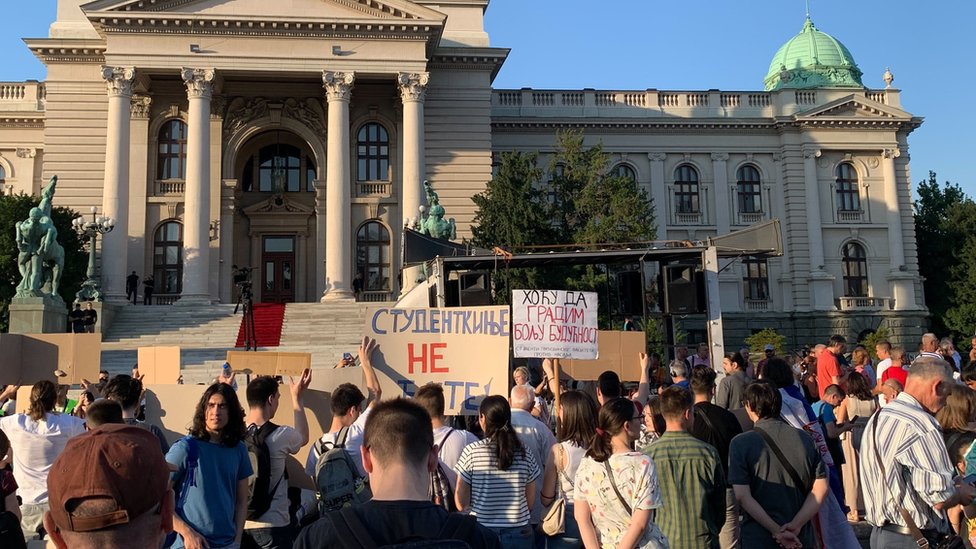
(168, 258)
(171, 160)
(373, 153)
(3, 179)
(848, 197)
(855, 269)
(373, 256)
(624, 170)
(279, 168)
(749, 189)
(686, 190)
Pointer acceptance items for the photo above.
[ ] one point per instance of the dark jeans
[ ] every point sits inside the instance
(267, 538)
(517, 537)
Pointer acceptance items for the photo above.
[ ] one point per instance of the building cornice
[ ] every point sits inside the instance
(67, 51)
(403, 9)
(21, 121)
(469, 59)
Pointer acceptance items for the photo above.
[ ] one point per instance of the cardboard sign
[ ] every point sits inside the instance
(463, 348)
(29, 358)
(159, 365)
(619, 351)
(262, 363)
(554, 324)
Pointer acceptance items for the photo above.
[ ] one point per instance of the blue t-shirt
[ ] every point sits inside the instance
(212, 499)
(824, 411)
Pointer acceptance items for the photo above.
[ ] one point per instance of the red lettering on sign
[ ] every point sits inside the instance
(413, 359)
(435, 356)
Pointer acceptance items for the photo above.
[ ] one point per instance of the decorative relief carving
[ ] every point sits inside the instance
(338, 85)
(891, 153)
(413, 86)
(823, 162)
(199, 82)
(308, 112)
(873, 162)
(657, 157)
(218, 106)
(140, 106)
(26, 152)
(720, 157)
(777, 157)
(119, 80)
(243, 111)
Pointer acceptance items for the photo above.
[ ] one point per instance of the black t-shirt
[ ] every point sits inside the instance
(389, 522)
(716, 426)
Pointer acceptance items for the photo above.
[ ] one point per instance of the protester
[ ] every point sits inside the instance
(608, 386)
(962, 517)
(700, 358)
(399, 454)
(110, 488)
(903, 441)
(346, 414)
(777, 474)
(861, 362)
(929, 346)
(898, 368)
(270, 529)
(890, 390)
(37, 438)
(450, 441)
(616, 489)
(824, 411)
(769, 351)
(856, 410)
(957, 416)
(8, 485)
(212, 468)
(577, 424)
(690, 475)
(90, 317)
(127, 391)
(729, 393)
(883, 350)
(102, 412)
(652, 424)
(535, 437)
(679, 373)
(829, 371)
(539, 408)
(497, 477)
(717, 427)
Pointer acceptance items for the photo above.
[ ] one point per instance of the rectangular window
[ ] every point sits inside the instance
(756, 280)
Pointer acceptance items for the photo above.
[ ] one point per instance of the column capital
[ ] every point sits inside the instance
(811, 152)
(140, 106)
(657, 157)
(119, 80)
(891, 153)
(720, 157)
(199, 82)
(338, 85)
(413, 85)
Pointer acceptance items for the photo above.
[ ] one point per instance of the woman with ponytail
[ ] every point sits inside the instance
(37, 438)
(497, 476)
(616, 488)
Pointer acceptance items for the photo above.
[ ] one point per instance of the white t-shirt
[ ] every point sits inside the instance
(282, 442)
(882, 366)
(451, 447)
(36, 445)
(354, 445)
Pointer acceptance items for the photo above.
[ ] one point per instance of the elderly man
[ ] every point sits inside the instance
(534, 436)
(930, 346)
(901, 442)
(110, 488)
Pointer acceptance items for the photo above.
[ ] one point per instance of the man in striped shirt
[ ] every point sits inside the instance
(903, 441)
(691, 477)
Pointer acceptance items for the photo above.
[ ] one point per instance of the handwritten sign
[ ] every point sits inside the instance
(465, 349)
(554, 324)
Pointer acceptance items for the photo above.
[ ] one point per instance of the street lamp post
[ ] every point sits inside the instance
(89, 230)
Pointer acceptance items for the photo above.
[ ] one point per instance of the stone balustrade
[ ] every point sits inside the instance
(22, 96)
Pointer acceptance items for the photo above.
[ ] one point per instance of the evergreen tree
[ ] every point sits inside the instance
(960, 315)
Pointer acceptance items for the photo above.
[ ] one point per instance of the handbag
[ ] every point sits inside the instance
(554, 521)
(930, 538)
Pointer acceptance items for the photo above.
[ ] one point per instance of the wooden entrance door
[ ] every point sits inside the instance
(278, 269)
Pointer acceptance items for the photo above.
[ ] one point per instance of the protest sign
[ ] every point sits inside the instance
(29, 358)
(264, 363)
(619, 352)
(554, 324)
(159, 365)
(465, 349)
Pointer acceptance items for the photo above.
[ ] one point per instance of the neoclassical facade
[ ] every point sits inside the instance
(295, 140)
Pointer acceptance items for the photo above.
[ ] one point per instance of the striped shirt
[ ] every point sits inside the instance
(497, 497)
(692, 483)
(918, 472)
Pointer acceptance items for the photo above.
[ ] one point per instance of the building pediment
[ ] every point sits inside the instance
(854, 106)
(278, 205)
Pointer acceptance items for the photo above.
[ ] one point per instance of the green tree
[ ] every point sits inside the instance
(872, 340)
(15, 208)
(960, 315)
(938, 240)
(767, 336)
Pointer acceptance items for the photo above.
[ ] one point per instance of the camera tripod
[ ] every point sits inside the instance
(245, 300)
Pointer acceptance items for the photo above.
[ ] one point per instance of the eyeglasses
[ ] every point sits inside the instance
(641, 416)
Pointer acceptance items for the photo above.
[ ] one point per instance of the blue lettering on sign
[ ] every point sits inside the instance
(463, 395)
(490, 322)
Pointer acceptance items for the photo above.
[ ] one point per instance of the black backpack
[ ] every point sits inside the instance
(260, 492)
(454, 534)
(11, 534)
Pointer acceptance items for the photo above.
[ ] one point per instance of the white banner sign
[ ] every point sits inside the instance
(554, 324)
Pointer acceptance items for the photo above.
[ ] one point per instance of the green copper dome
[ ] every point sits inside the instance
(813, 59)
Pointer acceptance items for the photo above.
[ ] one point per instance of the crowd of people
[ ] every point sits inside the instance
(786, 452)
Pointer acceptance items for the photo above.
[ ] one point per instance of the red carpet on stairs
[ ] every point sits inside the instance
(268, 318)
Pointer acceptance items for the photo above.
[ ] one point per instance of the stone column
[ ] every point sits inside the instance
(196, 205)
(902, 282)
(723, 202)
(659, 193)
(821, 283)
(413, 89)
(140, 183)
(115, 196)
(338, 246)
(226, 237)
(319, 238)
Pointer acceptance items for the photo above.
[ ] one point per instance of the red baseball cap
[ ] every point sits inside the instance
(117, 462)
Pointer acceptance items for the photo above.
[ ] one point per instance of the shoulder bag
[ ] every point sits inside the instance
(554, 520)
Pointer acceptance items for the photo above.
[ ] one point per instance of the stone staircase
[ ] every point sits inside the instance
(206, 332)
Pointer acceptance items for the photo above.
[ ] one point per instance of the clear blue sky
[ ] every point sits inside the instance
(723, 44)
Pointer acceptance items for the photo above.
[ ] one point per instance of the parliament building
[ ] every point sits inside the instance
(294, 137)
